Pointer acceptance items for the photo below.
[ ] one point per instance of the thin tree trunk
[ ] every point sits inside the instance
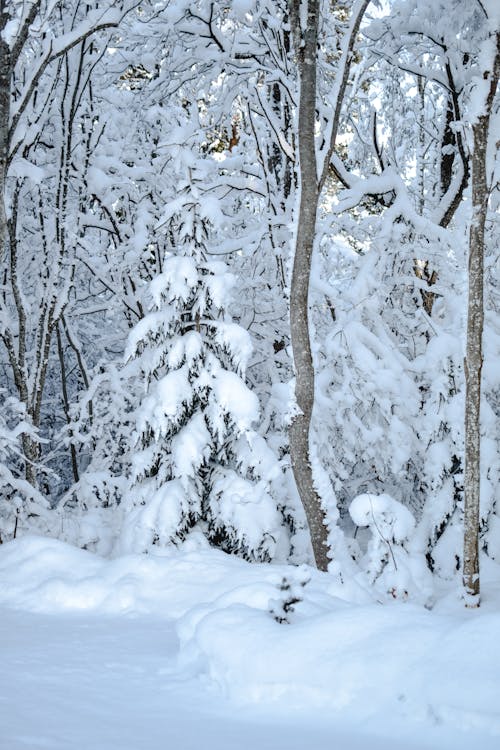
(299, 290)
(474, 353)
(311, 186)
(66, 404)
(5, 76)
(31, 453)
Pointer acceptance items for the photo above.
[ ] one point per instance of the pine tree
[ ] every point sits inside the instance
(196, 458)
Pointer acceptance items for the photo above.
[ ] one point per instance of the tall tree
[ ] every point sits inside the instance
(481, 188)
(305, 18)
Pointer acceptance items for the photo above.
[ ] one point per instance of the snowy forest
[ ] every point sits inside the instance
(250, 296)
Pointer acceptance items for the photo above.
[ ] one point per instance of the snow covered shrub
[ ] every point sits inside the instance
(195, 456)
(390, 371)
(387, 563)
(22, 507)
(100, 429)
(291, 593)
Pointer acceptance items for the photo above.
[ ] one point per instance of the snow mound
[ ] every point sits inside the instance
(336, 650)
(361, 661)
(46, 575)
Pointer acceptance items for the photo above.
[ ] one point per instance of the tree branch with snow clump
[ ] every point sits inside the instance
(387, 562)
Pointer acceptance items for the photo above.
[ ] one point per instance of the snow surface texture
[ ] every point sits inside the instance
(184, 650)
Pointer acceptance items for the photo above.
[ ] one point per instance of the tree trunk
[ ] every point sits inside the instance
(299, 289)
(5, 76)
(474, 354)
(31, 453)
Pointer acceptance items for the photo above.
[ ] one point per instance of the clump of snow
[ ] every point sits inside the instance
(164, 400)
(235, 339)
(243, 509)
(388, 563)
(10, 30)
(242, 8)
(156, 517)
(191, 447)
(393, 521)
(234, 399)
(178, 279)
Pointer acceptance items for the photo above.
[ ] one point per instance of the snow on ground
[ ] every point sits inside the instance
(181, 651)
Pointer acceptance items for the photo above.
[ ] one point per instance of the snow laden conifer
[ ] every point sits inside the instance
(197, 460)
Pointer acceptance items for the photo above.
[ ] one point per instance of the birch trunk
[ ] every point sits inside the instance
(474, 352)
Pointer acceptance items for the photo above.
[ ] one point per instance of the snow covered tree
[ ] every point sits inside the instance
(481, 188)
(22, 507)
(408, 399)
(47, 130)
(196, 459)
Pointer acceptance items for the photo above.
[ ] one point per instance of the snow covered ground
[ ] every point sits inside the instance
(181, 651)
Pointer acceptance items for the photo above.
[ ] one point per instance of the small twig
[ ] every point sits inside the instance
(383, 537)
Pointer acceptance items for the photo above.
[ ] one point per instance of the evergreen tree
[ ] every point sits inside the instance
(196, 458)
